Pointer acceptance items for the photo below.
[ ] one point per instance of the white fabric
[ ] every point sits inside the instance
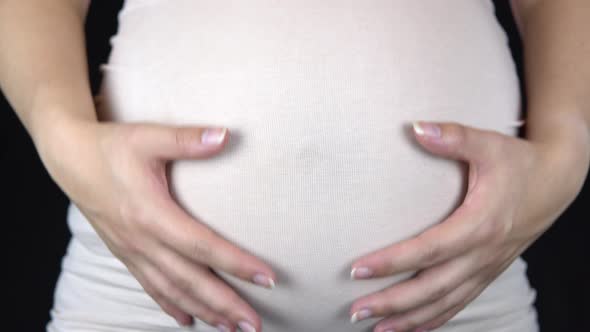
(321, 167)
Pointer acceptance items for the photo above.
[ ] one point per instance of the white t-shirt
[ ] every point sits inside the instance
(322, 166)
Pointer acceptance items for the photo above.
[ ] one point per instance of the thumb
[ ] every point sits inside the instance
(457, 141)
(178, 142)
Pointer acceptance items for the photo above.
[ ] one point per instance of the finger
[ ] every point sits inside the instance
(426, 287)
(460, 232)
(445, 316)
(491, 274)
(412, 319)
(180, 316)
(198, 282)
(164, 290)
(178, 142)
(460, 142)
(203, 245)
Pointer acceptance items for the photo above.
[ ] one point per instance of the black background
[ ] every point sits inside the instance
(35, 231)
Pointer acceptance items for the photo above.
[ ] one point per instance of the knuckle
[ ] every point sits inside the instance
(136, 217)
(182, 285)
(490, 260)
(390, 306)
(127, 212)
(439, 292)
(448, 301)
(130, 213)
(492, 231)
(133, 135)
(388, 303)
(457, 133)
(453, 300)
(185, 138)
(201, 250)
(182, 301)
(483, 232)
(132, 246)
(171, 290)
(430, 254)
(124, 246)
(381, 309)
(227, 311)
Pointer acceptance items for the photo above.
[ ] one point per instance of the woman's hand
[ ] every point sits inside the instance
(116, 174)
(516, 190)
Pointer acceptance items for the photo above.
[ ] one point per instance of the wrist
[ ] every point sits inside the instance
(566, 156)
(59, 136)
(551, 123)
(55, 125)
(559, 170)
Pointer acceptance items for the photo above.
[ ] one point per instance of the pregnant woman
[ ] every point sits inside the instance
(295, 166)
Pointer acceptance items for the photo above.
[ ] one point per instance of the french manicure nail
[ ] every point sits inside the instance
(426, 129)
(213, 136)
(263, 280)
(360, 272)
(360, 315)
(246, 327)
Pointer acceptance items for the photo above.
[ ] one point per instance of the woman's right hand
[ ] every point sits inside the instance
(116, 175)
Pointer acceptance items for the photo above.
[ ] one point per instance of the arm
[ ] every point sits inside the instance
(556, 49)
(116, 172)
(557, 68)
(516, 189)
(43, 70)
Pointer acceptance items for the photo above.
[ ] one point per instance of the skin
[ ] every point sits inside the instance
(517, 187)
(115, 173)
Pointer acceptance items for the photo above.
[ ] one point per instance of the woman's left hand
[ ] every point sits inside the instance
(516, 190)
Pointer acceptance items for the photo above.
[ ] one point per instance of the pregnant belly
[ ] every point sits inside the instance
(321, 166)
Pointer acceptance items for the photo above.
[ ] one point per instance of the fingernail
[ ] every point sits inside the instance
(223, 328)
(360, 272)
(213, 136)
(360, 315)
(263, 280)
(427, 129)
(390, 330)
(246, 327)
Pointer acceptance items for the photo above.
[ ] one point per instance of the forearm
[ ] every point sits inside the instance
(557, 79)
(557, 70)
(43, 70)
